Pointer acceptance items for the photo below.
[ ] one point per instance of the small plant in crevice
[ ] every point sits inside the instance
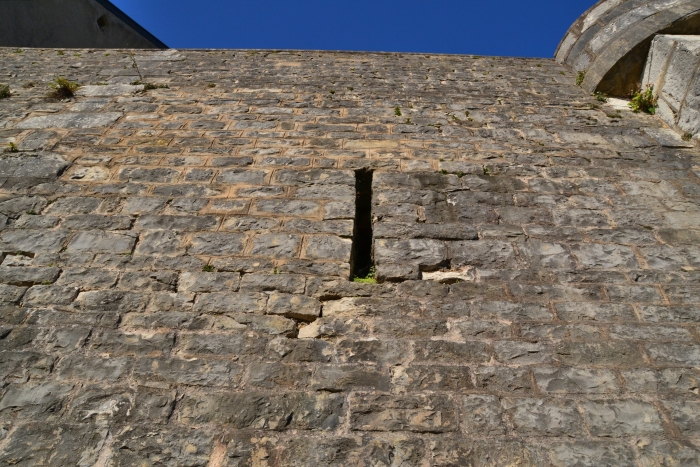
(146, 86)
(601, 97)
(397, 111)
(580, 76)
(4, 91)
(644, 101)
(368, 279)
(29, 85)
(11, 147)
(208, 268)
(687, 136)
(62, 89)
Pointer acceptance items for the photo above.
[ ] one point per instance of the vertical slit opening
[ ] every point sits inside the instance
(361, 262)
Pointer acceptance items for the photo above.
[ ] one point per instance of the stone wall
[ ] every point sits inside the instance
(672, 68)
(176, 263)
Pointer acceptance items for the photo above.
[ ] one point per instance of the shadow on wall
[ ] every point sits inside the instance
(71, 24)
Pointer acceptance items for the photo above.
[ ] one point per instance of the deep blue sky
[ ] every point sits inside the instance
(526, 28)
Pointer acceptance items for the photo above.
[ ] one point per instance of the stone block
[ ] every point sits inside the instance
(428, 254)
(275, 245)
(432, 378)
(70, 120)
(224, 303)
(298, 307)
(397, 272)
(460, 451)
(419, 413)
(10, 294)
(28, 276)
(111, 300)
(290, 411)
(217, 244)
(592, 454)
(327, 247)
(482, 415)
(576, 381)
(97, 241)
(617, 419)
(50, 295)
(285, 283)
(505, 380)
(335, 378)
(656, 452)
(544, 417)
(163, 242)
(33, 241)
(671, 69)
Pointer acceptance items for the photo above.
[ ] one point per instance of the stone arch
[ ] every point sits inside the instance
(610, 42)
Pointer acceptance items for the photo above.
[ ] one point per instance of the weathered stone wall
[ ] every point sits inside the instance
(673, 68)
(175, 265)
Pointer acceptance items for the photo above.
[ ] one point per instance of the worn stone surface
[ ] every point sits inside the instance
(175, 266)
(672, 69)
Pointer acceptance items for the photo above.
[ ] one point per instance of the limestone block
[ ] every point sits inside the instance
(72, 120)
(672, 68)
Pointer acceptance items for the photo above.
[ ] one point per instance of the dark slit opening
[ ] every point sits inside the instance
(361, 258)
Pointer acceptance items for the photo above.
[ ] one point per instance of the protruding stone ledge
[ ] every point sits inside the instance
(610, 42)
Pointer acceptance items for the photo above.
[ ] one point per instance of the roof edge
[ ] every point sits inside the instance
(109, 6)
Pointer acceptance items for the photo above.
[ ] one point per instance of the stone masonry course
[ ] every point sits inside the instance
(175, 283)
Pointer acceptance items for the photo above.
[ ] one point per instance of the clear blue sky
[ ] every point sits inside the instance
(526, 28)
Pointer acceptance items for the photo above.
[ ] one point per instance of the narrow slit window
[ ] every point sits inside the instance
(361, 262)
